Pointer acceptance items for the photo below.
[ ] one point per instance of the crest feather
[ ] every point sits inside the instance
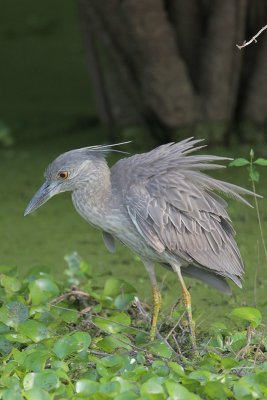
(106, 148)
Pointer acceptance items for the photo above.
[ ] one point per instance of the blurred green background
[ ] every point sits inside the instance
(47, 106)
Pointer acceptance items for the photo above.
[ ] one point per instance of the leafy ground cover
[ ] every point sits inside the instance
(73, 339)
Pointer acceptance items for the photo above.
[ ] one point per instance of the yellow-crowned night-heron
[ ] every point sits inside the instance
(160, 204)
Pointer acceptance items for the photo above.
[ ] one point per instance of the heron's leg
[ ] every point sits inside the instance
(156, 297)
(187, 303)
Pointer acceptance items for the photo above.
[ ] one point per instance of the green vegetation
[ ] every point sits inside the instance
(254, 177)
(73, 339)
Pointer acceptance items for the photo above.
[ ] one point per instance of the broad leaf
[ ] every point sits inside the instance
(261, 161)
(239, 162)
(249, 314)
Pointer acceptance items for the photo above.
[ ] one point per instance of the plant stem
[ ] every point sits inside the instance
(258, 212)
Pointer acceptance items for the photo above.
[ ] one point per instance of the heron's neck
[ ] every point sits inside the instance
(92, 197)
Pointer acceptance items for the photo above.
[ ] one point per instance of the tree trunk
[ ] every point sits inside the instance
(255, 107)
(221, 61)
(174, 64)
(164, 84)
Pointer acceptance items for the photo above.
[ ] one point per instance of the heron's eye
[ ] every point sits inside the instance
(63, 174)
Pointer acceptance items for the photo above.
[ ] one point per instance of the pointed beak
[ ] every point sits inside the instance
(46, 191)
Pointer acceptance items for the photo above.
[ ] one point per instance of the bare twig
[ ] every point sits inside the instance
(141, 309)
(85, 310)
(257, 352)
(66, 296)
(174, 327)
(252, 39)
(242, 353)
(177, 346)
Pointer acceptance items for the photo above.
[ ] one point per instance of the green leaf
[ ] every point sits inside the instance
(113, 361)
(5, 346)
(123, 300)
(249, 314)
(8, 270)
(12, 394)
(111, 388)
(72, 343)
(35, 361)
(142, 338)
(110, 343)
(34, 330)
(255, 379)
(160, 368)
(243, 391)
(13, 313)
(112, 287)
(229, 362)
(102, 371)
(36, 272)
(10, 283)
(115, 323)
(217, 391)
(152, 388)
(254, 175)
(41, 290)
(37, 394)
(125, 385)
(177, 368)
(178, 392)
(17, 337)
(69, 316)
(201, 376)
(261, 161)
(4, 328)
(86, 268)
(161, 349)
(59, 365)
(129, 395)
(86, 387)
(47, 380)
(239, 162)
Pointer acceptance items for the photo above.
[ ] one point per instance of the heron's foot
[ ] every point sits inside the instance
(191, 323)
(156, 308)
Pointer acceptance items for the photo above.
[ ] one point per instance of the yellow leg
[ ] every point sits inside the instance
(156, 297)
(187, 303)
(156, 308)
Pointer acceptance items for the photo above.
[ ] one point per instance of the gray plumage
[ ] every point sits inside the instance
(161, 204)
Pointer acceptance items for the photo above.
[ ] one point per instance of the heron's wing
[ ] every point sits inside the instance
(109, 241)
(173, 206)
(186, 221)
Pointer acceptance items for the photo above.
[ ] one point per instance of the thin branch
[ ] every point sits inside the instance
(66, 296)
(252, 39)
(174, 327)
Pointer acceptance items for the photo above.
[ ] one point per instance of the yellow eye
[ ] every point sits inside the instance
(63, 174)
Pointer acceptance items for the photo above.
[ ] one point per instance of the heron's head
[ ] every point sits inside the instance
(69, 172)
